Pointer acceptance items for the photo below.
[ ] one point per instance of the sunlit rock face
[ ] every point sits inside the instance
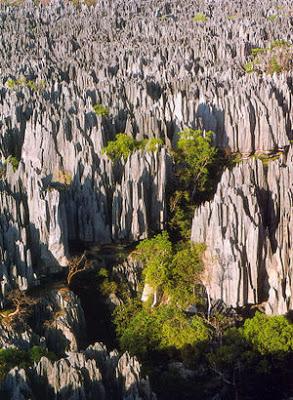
(247, 231)
(156, 70)
(92, 374)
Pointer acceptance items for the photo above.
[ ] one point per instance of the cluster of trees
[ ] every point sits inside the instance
(146, 331)
(174, 270)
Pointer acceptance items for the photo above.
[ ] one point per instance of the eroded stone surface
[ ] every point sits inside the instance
(247, 231)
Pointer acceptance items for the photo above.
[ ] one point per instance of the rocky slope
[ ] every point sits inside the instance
(94, 373)
(157, 71)
(89, 375)
(155, 68)
(247, 231)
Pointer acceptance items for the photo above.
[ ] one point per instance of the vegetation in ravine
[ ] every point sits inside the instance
(198, 167)
(230, 354)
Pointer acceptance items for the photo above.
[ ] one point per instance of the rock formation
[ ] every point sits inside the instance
(89, 375)
(247, 231)
(155, 70)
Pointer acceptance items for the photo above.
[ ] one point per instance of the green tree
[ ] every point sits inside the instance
(180, 331)
(142, 334)
(156, 255)
(196, 154)
(187, 266)
(120, 148)
(269, 334)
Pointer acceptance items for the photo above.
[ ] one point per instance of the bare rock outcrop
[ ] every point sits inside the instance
(89, 375)
(247, 231)
(155, 69)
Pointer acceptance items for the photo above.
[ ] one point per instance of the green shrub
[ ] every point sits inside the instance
(269, 334)
(106, 285)
(187, 266)
(275, 58)
(179, 331)
(100, 110)
(14, 84)
(37, 352)
(142, 334)
(13, 161)
(156, 255)
(249, 67)
(196, 154)
(274, 66)
(257, 50)
(124, 145)
(232, 17)
(279, 43)
(181, 211)
(10, 358)
(272, 17)
(123, 314)
(175, 272)
(200, 17)
(162, 328)
(120, 148)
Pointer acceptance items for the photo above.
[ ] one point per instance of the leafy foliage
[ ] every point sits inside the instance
(275, 58)
(13, 161)
(120, 148)
(106, 285)
(124, 145)
(165, 327)
(101, 110)
(200, 18)
(151, 145)
(196, 154)
(187, 266)
(156, 254)
(15, 84)
(175, 271)
(269, 334)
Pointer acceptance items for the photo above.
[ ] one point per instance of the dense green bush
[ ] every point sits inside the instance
(13, 161)
(176, 271)
(200, 17)
(196, 154)
(124, 145)
(269, 334)
(100, 110)
(15, 84)
(187, 267)
(151, 145)
(120, 148)
(156, 255)
(272, 59)
(106, 285)
(162, 328)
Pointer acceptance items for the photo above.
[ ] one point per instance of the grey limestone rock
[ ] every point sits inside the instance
(157, 71)
(94, 374)
(247, 231)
